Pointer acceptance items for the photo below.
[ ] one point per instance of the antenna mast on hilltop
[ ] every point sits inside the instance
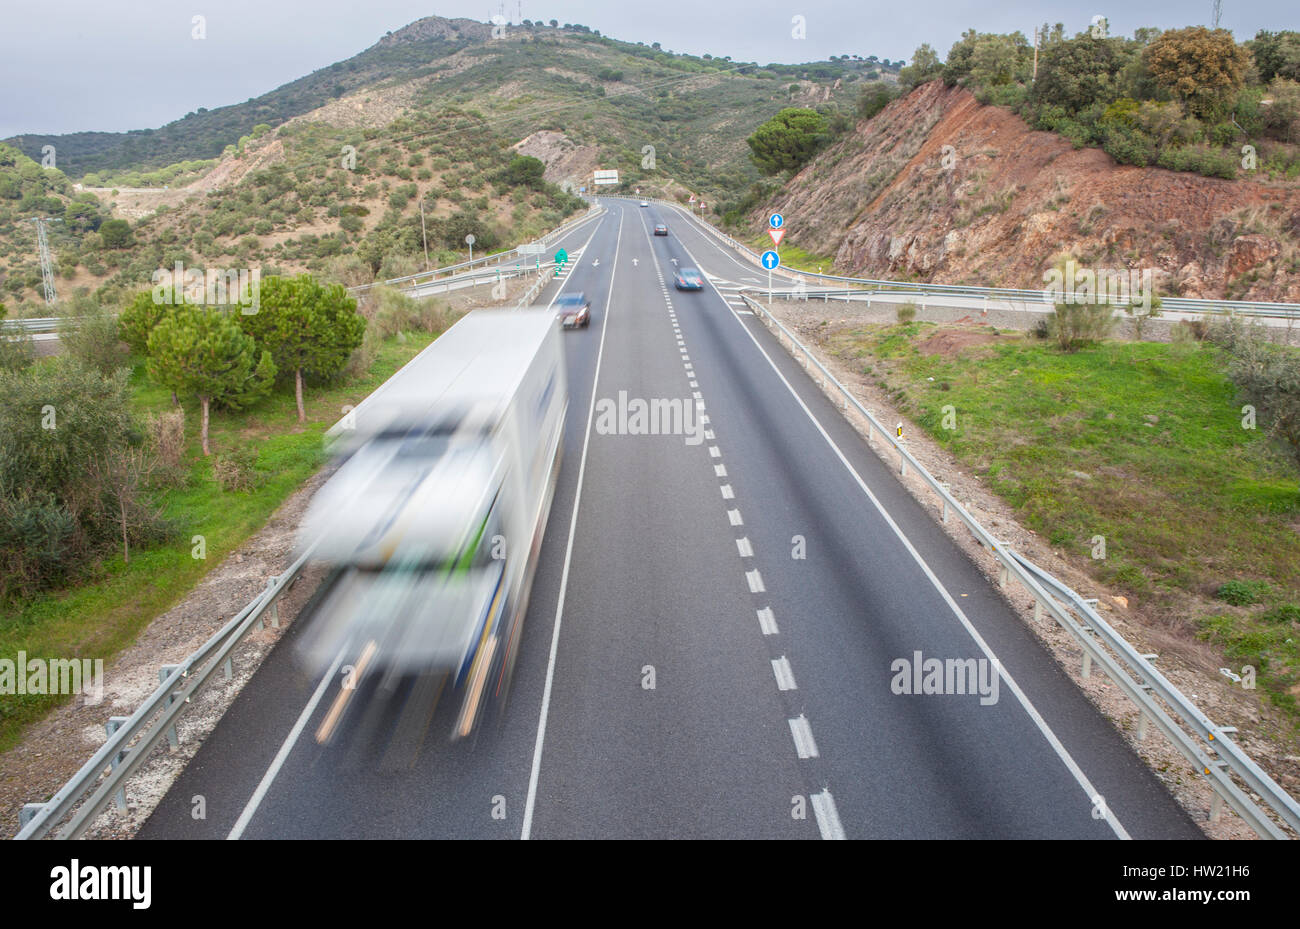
(1216, 12)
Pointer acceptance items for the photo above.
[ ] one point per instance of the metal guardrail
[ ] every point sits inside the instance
(1216, 756)
(413, 280)
(1195, 305)
(132, 739)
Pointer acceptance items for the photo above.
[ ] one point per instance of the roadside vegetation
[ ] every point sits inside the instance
(113, 500)
(1148, 446)
(1188, 99)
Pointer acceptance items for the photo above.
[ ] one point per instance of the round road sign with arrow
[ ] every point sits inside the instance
(776, 220)
(771, 259)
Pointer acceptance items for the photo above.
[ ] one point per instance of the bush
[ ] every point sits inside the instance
(1243, 593)
(906, 312)
(235, 470)
(166, 438)
(93, 338)
(1286, 613)
(1075, 325)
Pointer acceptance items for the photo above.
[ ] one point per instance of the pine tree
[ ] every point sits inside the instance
(308, 328)
(204, 353)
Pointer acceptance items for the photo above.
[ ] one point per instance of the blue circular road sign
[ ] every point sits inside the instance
(771, 259)
(776, 220)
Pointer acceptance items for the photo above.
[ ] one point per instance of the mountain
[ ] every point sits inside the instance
(433, 114)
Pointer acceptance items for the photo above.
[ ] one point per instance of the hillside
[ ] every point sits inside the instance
(435, 112)
(890, 199)
(534, 77)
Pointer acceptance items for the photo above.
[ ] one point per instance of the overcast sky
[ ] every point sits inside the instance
(71, 65)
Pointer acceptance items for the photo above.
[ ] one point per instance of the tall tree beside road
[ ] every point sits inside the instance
(204, 353)
(309, 328)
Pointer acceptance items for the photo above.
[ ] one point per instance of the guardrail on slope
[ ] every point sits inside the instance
(1209, 747)
(1195, 305)
(515, 254)
(131, 739)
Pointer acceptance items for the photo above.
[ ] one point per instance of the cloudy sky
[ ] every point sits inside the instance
(72, 65)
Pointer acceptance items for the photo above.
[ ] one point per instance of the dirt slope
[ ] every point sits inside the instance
(939, 188)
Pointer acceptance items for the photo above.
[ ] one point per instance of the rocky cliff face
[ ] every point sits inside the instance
(939, 188)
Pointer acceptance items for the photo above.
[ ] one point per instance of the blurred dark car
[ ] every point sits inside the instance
(661, 229)
(573, 310)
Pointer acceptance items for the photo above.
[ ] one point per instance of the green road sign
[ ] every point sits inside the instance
(561, 257)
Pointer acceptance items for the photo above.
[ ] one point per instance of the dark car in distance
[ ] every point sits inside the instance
(661, 229)
(573, 310)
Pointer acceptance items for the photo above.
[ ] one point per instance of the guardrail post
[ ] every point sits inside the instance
(1142, 727)
(1087, 663)
(1038, 610)
(229, 668)
(1004, 574)
(115, 723)
(166, 671)
(275, 603)
(28, 813)
(1216, 807)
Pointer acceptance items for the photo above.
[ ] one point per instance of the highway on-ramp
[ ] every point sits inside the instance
(711, 642)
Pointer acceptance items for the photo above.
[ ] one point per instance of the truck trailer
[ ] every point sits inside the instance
(436, 512)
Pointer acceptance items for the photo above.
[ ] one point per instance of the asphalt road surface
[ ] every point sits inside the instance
(712, 643)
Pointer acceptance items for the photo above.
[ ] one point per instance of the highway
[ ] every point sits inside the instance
(709, 647)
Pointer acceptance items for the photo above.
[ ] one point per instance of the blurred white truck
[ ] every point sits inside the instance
(437, 510)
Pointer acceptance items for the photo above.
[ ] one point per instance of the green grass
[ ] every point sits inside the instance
(1190, 502)
(99, 618)
(793, 257)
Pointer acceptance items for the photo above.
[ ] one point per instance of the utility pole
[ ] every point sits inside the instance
(1216, 12)
(1035, 75)
(47, 266)
(424, 235)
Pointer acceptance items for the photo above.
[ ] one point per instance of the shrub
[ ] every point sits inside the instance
(1286, 613)
(1075, 325)
(1243, 593)
(166, 438)
(93, 338)
(235, 470)
(906, 312)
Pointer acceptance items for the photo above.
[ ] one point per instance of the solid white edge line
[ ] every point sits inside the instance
(250, 808)
(533, 774)
(1071, 765)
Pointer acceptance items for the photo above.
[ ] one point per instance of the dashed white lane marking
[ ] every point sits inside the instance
(686, 357)
(766, 621)
(744, 547)
(708, 433)
(695, 384)
(715, 452)
(733, 516)
(727, 492)
(755, 582)
(719, 470)
(803, 737)
(745, 312)
(705, 421)
(828, 820)
(784, 675)
(697, 395)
